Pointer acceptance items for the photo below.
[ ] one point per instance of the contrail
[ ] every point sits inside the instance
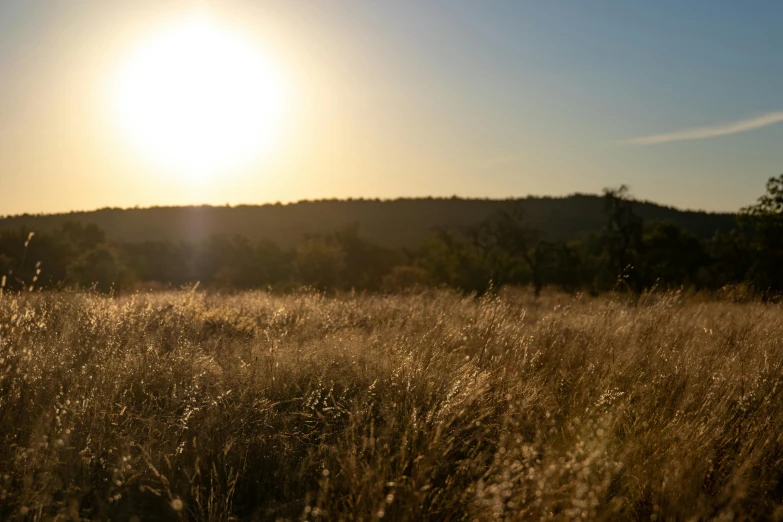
(700, 133)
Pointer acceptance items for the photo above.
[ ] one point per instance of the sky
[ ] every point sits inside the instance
(682, 101)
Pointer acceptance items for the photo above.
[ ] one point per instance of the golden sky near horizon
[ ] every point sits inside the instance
(182, 102)
(75, 148)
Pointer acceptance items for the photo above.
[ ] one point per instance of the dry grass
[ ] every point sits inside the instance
(186, 406)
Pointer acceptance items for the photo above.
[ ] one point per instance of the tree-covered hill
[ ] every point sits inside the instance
(390, 223)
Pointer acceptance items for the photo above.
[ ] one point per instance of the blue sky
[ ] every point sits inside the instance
(683, 101)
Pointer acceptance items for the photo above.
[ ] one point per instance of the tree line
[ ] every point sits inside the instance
(627, 254)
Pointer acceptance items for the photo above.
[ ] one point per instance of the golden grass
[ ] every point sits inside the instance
(434, 406)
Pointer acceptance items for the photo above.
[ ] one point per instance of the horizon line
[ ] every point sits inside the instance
(360, 199)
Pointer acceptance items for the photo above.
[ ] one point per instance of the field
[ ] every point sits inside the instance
(188, 406)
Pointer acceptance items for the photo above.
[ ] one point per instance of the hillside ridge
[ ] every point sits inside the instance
(392, 222)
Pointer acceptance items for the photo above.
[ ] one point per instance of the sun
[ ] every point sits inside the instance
(199, 99)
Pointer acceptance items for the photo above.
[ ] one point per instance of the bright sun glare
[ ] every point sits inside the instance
(199, 99)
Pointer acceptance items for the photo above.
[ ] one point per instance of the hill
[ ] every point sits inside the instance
(392, 223)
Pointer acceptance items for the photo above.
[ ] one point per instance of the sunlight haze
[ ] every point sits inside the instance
(177, 103)
(197, 100)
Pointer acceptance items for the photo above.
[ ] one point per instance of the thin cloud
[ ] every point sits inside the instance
(700, 133)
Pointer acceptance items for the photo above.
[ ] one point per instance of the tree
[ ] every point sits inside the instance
(622, 242)
(565, 269)
(500, 250)
(731, 258)
(100, 268)
(30, 259)
(452, 260)
(319, 263)
(765, 223)
(520, 243)
(672, 256)
(273, 263)
(83, 237)
(365, 263)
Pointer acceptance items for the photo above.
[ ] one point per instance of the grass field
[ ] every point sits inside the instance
(437, 407)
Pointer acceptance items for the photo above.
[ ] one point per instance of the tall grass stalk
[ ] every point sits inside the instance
(186, 406)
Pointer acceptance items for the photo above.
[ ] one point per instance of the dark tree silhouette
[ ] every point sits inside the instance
(622, 239)
(765, 221)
